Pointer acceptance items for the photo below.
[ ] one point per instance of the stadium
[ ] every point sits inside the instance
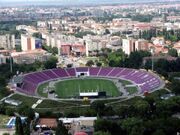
(88, 82)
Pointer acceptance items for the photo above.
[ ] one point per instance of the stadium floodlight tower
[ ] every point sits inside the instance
(59, 54)
(152, 49)
(59, 50)
(10, 58)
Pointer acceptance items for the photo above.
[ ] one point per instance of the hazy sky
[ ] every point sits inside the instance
(69, 2)
(83, 0)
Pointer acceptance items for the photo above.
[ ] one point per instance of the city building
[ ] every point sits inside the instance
(128, 45)
(30, 43)
(7, 41)
(141, 45)
(28, 57)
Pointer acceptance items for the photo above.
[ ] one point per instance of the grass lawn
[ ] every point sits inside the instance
(3, 120)
(71, 88)
(92, 58)
(131, 90)
(40, 89)
(55, 104)
(125, 82)
(25, 100)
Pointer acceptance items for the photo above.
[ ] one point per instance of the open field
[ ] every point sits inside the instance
(3, 120)
(55, 104)
(40, 89)
(25, 99)
(125, 82)
(71, 88)
(131, 90)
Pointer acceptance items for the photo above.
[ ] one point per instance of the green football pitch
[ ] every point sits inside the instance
(71, 88)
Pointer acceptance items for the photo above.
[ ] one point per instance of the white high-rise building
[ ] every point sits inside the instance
(30, 43)
(128, 45)
(7, 41)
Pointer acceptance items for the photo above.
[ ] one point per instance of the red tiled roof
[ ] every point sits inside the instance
(49, 122)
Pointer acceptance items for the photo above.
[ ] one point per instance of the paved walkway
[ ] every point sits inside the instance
(7, 97)
(37, 103)
(121, 88)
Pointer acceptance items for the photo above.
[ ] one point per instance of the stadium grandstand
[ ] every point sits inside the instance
(145, 81)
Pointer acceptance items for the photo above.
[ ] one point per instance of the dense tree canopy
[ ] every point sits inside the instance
(116, 58)
(61, 129)
(90, 63)
(172, 52)
(37, 35)
(172, 35)
(50, 63)
(53, 50)
(19, 126)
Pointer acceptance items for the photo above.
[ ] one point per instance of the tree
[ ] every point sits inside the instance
(37, 35)
(98, 64)
(112, 127)
(135, 58)
(18, 48)
(159, 132)
(132, 125)
(2, 81)
(116, 58)
(175, 86)
(19, 126)
(61, 129)
(142, 18)
(173, 38)
(26, 127)
(173, 52)
(69, 65)
(99, 107)
(107, 31)
(10, 111)
(54, 50)
(162, 67)
(148, 64)
(89, 63)
(51, 63)
(142, 107)
(83, 33)
(101, 133)
(6, 134)
(26, 111)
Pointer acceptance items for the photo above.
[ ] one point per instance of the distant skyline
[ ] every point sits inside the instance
(73, 2)
(83, 0)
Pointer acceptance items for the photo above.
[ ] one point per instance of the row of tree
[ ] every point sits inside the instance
(120, 59)
(172, 35)
(163, 66)
(53, 50)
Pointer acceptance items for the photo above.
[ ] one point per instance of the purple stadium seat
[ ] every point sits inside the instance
(145, 80)
(93, 71)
